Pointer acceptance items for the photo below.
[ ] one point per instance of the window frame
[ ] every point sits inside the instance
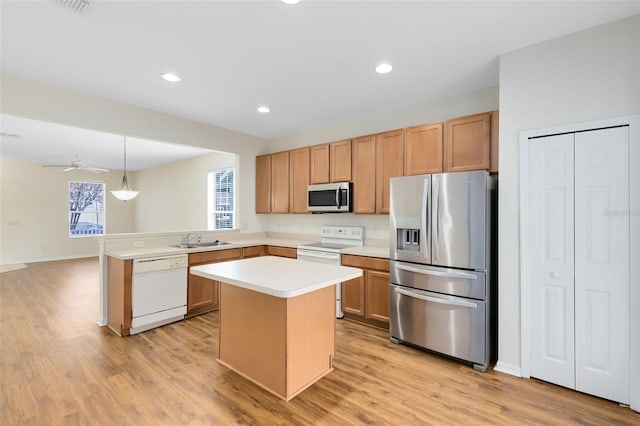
(96, 211)
(212, 197)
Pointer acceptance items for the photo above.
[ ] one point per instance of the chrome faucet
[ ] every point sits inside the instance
(188, 238)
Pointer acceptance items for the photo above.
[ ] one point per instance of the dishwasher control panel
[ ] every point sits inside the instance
(160, 263)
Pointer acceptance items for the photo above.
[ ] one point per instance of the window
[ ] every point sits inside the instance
(222, 203)
(86, 209)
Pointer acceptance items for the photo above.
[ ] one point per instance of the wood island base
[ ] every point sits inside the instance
(283, 344)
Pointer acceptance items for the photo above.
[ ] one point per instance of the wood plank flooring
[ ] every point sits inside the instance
(59, 368)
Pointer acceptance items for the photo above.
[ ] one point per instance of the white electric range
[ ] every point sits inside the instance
(334, 239)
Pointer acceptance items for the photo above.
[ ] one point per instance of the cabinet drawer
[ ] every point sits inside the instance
(214, 256)
(365, 262)
(254, 251)
(282, 251)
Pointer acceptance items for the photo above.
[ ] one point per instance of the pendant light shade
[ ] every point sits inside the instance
(125, 192)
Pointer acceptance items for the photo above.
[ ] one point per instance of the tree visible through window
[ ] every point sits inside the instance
(221, 199)
(86, 209)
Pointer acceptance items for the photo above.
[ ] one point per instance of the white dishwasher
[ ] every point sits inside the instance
(158, 291)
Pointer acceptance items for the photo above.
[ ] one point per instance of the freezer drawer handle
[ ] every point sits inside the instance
(463, 275)
(435, 299)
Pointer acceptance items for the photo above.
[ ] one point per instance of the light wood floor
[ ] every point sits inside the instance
(59, 368)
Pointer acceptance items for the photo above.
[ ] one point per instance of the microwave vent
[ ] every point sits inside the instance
(79, 6)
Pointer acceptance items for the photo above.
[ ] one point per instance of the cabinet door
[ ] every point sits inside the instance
(263, 183)
(353, 296)
(377, 294)
(423, 149)
(389, 160)
(319, 164)
(340, 161)
(467, 143)
(298, 180)
(364, 175)
(280, 182)
(202, 295)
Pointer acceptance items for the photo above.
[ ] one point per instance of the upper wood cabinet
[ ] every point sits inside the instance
(299, 180)
(280, 182)
(263, 183)
(467, 143)
(364, 174)
(423, 149)
(495, 130)
(340, 161)
(389, 163)
(319, 164)
(330, 162)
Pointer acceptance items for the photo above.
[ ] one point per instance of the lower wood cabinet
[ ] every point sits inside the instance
(202, 293)
(367, 298)
(282, 252)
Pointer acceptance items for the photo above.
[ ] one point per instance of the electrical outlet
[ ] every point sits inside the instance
(138, 243)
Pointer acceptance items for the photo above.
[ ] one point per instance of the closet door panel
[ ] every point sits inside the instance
(602, 263)
(551, 257)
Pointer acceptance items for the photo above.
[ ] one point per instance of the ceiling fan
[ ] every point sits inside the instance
(77, 165)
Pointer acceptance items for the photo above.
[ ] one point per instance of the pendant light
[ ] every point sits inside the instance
(125, 192)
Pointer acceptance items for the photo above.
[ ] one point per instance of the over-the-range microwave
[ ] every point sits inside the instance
(330, 197)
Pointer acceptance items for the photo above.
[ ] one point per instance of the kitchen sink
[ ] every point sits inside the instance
(198, 245)
(211, 244)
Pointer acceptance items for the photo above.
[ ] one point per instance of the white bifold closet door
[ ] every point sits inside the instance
(578, 269)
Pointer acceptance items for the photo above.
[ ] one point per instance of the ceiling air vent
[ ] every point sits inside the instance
(75, 5)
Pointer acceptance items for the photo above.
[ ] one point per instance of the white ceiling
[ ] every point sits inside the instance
(312, 63)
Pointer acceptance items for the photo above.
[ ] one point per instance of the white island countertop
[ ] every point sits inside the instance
(277, 276)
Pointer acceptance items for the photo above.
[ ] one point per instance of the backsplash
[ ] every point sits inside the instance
(376, 226)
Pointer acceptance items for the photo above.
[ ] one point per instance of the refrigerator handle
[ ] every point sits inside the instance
(436, 213)
(456, 274)
(425, 249)
(409, 293)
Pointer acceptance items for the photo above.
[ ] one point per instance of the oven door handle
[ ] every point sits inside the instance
(456, 274)
(318, 254)
(461, 303)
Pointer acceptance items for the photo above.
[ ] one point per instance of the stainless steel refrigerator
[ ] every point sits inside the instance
(442, 294)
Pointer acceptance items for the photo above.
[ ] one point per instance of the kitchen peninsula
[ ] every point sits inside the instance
(277, 319)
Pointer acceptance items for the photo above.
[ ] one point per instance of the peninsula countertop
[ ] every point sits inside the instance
(277, 276)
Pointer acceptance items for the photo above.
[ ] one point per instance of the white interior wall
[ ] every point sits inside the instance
(173, 197)
(34, 100)
(427, 112)
(589, 75)
(34, 203)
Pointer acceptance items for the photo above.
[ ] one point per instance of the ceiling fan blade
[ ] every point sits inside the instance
(96, 170)
(68, 169)
(55, 165)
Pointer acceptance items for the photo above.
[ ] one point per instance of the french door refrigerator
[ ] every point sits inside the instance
(441, 296)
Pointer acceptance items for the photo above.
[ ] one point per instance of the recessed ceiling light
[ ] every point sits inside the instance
(290, 1)
(263, 109)
(383, 68)
(171, 77)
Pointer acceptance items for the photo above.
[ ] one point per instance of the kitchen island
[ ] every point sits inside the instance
(277, 319)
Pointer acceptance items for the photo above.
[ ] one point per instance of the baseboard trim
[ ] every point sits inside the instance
(511, 369)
